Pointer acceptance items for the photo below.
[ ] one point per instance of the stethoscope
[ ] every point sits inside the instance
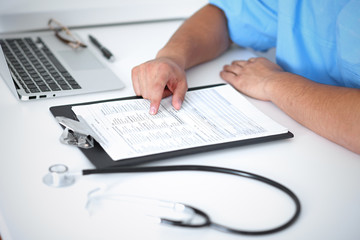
(58, 177)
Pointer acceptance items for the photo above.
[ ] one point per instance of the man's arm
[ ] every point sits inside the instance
(202, 37)
(330, 111)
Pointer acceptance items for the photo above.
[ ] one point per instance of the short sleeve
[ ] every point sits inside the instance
(348, 43)
(251, 23)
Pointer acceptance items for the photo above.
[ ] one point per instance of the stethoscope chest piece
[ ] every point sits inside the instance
(58, 176)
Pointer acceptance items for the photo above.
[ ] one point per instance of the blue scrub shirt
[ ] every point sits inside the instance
(317, 39)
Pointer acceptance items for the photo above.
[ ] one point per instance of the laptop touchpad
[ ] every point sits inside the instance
(80, 60)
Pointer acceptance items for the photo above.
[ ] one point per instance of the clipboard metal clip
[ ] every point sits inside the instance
(76, 133)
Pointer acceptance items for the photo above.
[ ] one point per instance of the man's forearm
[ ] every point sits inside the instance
(333, 112)
(201, 38)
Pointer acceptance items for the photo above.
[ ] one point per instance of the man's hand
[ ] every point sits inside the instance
(331, 111)
(200, 38)
(251, 77)
(160, 78)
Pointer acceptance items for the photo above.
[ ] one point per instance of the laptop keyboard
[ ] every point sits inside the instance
(35, 67)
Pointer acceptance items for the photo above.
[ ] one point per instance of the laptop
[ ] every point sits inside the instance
(37, 65)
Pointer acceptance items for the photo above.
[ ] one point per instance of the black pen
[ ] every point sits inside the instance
(103, 49)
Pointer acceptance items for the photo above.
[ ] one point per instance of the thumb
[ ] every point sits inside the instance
(179, 95)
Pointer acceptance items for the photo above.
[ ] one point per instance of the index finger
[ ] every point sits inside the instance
(156, 92)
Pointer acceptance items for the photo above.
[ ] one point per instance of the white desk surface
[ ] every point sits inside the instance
(325, 176)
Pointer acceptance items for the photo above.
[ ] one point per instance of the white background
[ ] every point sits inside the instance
(19, 15)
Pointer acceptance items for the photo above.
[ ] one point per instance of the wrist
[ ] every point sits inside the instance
(274, 83)
(177, 58)
(280, 84)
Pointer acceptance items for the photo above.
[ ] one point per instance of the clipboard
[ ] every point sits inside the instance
(100, 159)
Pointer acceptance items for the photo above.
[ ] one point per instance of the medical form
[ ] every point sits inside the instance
(208, 116)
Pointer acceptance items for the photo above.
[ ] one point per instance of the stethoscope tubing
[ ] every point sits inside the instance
(208, 221)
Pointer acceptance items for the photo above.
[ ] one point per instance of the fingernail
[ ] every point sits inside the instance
(178, 104)
(152, 110)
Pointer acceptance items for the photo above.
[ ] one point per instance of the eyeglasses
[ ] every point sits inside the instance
(64, 34)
